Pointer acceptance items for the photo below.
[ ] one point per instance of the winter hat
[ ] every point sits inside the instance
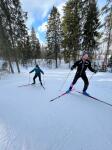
(37, 65)
(84, 53)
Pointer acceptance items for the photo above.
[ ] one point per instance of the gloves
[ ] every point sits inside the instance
(72, 68)
(95, 71)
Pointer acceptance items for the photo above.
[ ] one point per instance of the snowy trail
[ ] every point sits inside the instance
(28, 121)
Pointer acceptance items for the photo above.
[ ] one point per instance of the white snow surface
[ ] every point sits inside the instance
(28, 121)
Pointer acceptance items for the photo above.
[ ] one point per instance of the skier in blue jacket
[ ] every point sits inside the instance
(38, 72)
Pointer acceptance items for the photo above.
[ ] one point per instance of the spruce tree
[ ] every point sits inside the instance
(54, 34)
(107, 11)
(72, 28)
(91, 26)
(13, 22)
(35, 45)
(5, 48)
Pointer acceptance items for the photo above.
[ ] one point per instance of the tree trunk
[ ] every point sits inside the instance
(69, 64)
(69, 61)
(56, 63)
(35, 61)
(109, 41)
(56, 58)
(17, 64)
(10, 64)
(107, 52)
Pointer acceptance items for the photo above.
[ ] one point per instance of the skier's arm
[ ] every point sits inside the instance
(41, 71)
(32, 71)
(90, 68)
(75, 65)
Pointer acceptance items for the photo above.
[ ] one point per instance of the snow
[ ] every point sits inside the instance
(28, 121)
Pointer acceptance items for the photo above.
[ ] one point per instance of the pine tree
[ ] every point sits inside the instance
(25, 51)
(91, 26)
(72, 28)
(107, 11)
(13, 23)
(5, 53)
(4, 38)
(35, 45)
(54, 34)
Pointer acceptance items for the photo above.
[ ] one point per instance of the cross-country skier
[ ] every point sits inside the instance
(82, 65)
(38, 72)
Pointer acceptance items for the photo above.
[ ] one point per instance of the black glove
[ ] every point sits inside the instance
(95, 71)
(72, 68)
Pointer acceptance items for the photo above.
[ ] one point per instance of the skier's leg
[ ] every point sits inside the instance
(74, 81)
(40, 79)
(34, 79)
(86, 82)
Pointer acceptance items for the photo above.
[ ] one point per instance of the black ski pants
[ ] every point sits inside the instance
(39, 76)
(84, 78)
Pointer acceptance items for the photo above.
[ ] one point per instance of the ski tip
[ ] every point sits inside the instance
(50, 100)
(68, 91)
(86, 94)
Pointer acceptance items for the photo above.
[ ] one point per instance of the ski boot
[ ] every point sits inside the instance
(85, 93)
(69, 90)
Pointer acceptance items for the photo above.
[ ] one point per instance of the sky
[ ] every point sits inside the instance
(38, 11)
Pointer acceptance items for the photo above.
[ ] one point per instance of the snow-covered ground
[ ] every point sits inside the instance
(28, 121)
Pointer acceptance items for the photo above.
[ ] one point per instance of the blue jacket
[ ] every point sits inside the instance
(37, 70)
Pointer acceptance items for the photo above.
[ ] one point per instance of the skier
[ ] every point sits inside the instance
(82, 65)
(38, 72)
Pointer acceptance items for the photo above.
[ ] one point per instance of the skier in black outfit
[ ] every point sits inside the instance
(82, 65)
(38, 72)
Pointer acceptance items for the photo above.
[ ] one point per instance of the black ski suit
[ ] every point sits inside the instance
(81, 72)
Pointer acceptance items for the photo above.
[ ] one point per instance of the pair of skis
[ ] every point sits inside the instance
(67, 92)
(94, 98)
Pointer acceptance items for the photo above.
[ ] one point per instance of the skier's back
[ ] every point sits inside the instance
(38, 72)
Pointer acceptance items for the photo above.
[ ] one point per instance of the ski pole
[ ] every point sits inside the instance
(65, 81)
(43, 80)
(91, 76)
(29, 79)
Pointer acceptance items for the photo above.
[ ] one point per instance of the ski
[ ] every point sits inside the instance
(24, 85)
(59, 96)
(92, 97)
(27, 85)
(87, 95)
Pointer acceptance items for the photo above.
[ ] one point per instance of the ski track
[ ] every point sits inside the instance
(28, 121)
